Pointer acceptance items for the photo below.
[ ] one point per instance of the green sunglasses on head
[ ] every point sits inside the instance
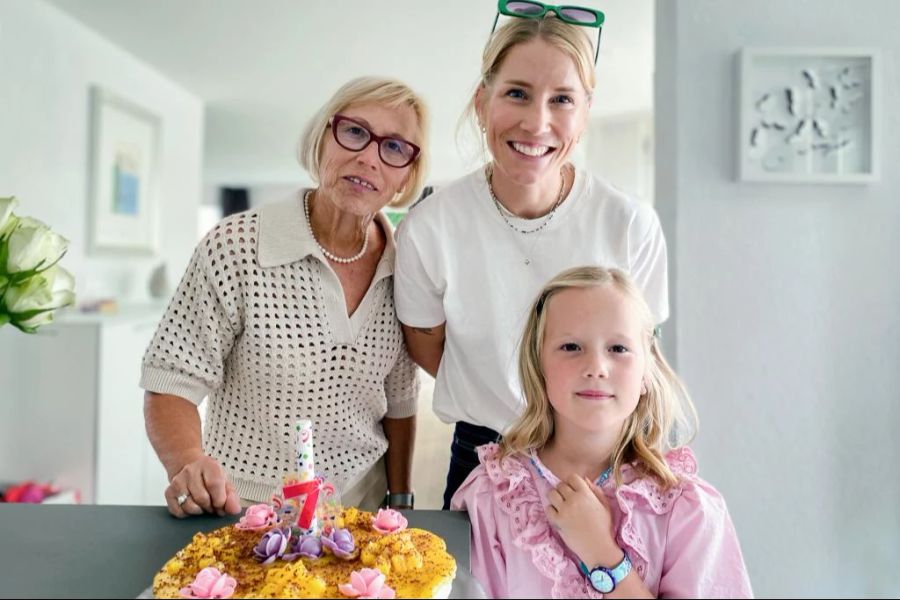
(532, 9)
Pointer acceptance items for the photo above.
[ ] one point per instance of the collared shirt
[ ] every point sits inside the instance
(259, 325)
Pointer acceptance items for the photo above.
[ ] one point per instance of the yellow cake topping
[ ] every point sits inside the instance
(415, 563)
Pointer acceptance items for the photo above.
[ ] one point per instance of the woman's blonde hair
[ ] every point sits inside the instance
(570, 39)
(369, 90)
(664, 418)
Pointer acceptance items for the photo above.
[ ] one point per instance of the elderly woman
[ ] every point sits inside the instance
(286, 312)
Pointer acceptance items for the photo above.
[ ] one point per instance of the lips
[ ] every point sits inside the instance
(531, 150)
(361, 181)
(595, 395)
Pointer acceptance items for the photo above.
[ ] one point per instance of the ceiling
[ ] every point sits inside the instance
(263, 67)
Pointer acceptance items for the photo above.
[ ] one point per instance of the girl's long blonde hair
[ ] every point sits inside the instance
(665, 417)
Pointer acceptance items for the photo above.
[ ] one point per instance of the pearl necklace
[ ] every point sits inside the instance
(328, 254)
(489, 174)
(538, 466)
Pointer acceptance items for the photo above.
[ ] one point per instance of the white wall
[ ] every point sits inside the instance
(48, 61)
(786, 305)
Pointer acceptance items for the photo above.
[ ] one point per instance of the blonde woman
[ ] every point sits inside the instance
(286, 312)
(592, 491)
(471, 255)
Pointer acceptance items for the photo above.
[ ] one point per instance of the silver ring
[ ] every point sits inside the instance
(182, 499)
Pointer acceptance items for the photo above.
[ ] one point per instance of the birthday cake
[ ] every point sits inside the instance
(362, 555)
(306, 545)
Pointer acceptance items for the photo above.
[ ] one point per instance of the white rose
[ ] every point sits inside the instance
(33, 245)
(7, 220)
(46, 291)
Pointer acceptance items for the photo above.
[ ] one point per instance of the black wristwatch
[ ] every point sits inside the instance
(401, 499)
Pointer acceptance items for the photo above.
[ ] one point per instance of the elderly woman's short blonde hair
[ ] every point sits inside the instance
(369, 90)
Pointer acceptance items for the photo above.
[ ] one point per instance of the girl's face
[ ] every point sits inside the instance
(534, 112)
(593, 358)
(360, 183)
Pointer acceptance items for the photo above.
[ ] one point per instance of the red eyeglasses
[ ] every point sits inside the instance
(354, 136)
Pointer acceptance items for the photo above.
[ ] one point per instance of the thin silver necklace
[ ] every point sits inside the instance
(489, 174)
(331, 256)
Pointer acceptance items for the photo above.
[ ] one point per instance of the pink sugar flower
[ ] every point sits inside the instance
(389, 521)
(258, 516)
(210, 583)
(366, 583)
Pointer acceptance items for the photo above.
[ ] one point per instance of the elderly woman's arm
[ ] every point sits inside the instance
(173, 426)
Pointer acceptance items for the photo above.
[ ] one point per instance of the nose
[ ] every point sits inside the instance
(596, 364)
(368, 156)
(536, 119)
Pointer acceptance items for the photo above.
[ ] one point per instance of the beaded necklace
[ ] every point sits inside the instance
(539, 467)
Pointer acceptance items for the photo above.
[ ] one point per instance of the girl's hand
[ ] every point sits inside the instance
(579, 511)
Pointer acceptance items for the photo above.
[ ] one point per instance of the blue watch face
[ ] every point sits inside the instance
(601, 581)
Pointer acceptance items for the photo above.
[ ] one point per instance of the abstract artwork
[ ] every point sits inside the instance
(808, 115)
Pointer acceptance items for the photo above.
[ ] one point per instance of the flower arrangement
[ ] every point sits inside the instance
(32, 285)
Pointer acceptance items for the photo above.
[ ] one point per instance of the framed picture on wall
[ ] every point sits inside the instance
(123, 202)
(808, 115)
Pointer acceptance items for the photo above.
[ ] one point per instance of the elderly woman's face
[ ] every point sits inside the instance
(534, 111)
(360, 182)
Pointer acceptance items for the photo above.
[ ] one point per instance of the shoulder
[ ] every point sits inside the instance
(232, 236)
(495, 478)
(446, 203)
(618, 207)
(647, 492)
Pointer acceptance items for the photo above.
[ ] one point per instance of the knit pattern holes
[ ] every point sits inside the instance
(259, 342)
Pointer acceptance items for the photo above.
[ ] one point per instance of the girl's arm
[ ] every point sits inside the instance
(702, 557)
(579, 510)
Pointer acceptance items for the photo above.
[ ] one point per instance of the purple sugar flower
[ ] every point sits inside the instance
(308, 546)
(272, 545)
(341, 543)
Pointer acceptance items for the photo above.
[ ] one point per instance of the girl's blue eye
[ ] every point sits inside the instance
(569, 347)
(516, 93)
(563, 99)
(619, 349)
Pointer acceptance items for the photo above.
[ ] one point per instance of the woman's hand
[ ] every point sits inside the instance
(579, 511)
(207, 488)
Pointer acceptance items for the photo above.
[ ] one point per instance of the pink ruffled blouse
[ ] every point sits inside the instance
(681, 541)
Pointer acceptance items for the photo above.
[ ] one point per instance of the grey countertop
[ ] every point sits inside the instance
(90, 551)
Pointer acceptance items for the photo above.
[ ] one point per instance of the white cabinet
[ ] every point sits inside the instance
(71, 411)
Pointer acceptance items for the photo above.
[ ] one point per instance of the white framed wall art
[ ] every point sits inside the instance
(808, 115)
(124, 156)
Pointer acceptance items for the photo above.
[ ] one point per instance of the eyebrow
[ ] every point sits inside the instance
(525, 84)
(369, 127)
(619, 336)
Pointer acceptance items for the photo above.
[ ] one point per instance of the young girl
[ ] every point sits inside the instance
(592, 492)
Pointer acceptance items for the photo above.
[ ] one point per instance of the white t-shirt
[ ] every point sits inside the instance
(459, 263)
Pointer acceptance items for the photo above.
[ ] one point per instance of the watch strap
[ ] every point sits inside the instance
(401, 499)
(616, 573)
